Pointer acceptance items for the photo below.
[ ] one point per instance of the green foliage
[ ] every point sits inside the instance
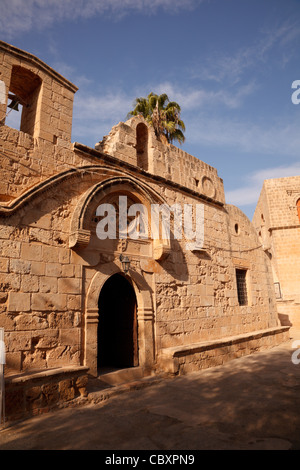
(162, 114)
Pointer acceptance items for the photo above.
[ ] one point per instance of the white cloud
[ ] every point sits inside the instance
(279, 137)
(249, 193)
(196, 98)
(108, 107)
(71, 74)
(25, 15)
(96, 113)
(231, 68)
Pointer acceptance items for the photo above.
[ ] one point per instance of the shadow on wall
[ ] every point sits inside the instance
(284, 319)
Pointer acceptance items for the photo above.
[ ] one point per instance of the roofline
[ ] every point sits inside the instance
(160, 179)
(39, 63)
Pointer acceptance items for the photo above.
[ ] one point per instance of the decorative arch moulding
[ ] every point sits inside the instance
(80, 233)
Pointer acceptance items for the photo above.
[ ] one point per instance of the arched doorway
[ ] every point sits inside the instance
(117, 327)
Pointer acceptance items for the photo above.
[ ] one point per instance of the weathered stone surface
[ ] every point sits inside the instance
(50, 285)
(18, 302)
(277, 222)
(66, 390)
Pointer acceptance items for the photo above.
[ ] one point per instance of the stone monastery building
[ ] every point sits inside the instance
(277, 221)
(69, 307)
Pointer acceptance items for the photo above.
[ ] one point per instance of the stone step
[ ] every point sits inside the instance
(121, 376)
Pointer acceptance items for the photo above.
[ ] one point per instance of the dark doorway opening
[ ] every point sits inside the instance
(117, 328)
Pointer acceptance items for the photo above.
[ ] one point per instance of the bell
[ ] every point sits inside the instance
(14, 104)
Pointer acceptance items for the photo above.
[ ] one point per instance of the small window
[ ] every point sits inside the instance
(241, 283)
(277, 290)
(298, 209)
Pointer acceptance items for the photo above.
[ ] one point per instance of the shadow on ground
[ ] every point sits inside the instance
(248, 403)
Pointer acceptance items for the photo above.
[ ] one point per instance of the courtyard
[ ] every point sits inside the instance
(249, 403)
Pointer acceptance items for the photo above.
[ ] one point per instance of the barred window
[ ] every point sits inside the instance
(241, 286)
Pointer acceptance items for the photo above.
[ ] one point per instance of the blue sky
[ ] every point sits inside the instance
(230, 64)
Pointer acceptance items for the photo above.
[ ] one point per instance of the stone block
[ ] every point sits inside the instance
(6, 322)
(67, 270)
(47, 339)
(74, 302)
(69, 286)
(50, 254)
(51, 393)
(81, 384)
(4, 264)
(10, 249)
(3, 297)
(18, 342)
(69, 337)
(33, 360)
(30, 322)
(196, 290)
(48, 284)
(206, 301)
(60, 320)
(18, 302)
(53, 269)
(38, 268)
(30, 283)
(19, 266)
(31, 252)
(48, 302)
(66, 390)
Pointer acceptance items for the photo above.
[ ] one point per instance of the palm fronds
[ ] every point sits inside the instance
(162, 114)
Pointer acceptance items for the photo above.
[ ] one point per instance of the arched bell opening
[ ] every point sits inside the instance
(142, 146)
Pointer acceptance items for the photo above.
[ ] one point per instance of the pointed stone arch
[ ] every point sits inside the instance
(145, 316)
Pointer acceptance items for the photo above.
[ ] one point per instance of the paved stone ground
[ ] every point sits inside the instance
(248, 403)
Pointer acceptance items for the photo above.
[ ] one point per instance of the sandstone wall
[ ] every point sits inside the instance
(163, 160)
(44, 283)
(196, 294)
(53, 265)
(277, 223)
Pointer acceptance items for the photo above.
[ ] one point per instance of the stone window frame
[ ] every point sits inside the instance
(243, 265)
(241, 283)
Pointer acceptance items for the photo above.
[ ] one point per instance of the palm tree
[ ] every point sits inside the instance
(163, 115)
